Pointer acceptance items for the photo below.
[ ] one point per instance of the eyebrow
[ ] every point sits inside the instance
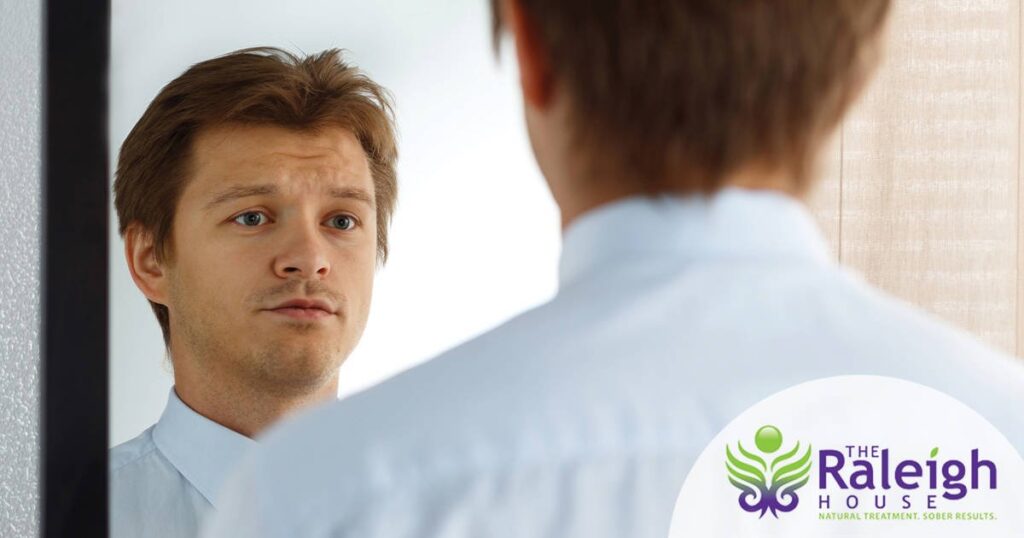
(242, 191)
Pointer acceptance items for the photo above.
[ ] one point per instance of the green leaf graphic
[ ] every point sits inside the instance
(935, 452)
(785, 456)
(752, 457)
(795, 471)
(743, 471)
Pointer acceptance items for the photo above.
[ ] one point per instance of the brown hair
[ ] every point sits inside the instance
(703, 87)
(252, 86)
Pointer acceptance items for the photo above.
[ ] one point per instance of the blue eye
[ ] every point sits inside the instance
(343, 222)
(251, 218)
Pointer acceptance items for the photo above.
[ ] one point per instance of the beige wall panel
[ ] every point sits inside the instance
(1020, 185)
(929, 188)
(824, 198)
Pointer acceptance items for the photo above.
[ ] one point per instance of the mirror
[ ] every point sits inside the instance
(474, 239)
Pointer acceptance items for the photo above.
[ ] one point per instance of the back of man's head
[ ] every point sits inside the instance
(683, 93)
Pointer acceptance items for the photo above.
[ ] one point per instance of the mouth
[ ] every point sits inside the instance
(301, 313)
(304, 309)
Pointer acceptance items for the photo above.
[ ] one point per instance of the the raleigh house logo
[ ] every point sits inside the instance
(768, 483)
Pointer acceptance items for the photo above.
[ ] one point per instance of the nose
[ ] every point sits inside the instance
(303, 254)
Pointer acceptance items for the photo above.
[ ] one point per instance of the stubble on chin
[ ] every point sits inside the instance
(287, 368)
(293, 364)
(287, 359)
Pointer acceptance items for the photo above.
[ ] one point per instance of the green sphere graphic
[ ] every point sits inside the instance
(768, 439)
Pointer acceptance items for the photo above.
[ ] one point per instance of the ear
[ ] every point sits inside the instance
(140, 253)
(535, 74)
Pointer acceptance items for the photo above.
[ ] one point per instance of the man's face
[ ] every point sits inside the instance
(270, 216)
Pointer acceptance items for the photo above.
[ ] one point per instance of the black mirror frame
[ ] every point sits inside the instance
(74, 300)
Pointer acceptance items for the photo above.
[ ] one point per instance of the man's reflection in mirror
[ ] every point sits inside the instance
(254, 197)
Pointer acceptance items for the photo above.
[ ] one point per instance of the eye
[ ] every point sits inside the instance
(251, 218)
(343, 222)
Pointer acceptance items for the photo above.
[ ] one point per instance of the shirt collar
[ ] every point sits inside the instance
(734, 222)
(202, 450)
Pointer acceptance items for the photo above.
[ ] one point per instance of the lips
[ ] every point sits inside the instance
(304, 309)
(305, 304)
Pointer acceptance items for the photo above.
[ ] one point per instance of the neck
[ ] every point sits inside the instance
(240, 406)
(572, 207)
(574, 202)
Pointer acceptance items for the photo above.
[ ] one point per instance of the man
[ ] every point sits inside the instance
(254, 198)
(675, 312)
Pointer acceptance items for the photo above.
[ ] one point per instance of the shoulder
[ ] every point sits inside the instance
(919, 346)
(921, 334)
(148, 496)
(139, 472)
(133, 451)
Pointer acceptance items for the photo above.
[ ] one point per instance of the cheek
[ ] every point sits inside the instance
(216, 276)
(355, 277)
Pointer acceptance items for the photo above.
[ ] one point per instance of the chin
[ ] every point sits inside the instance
(289, 364)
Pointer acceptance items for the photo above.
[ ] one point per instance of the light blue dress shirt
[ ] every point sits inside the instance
(163, 482)
(582, 417)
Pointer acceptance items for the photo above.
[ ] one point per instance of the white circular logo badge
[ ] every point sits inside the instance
(855, 456)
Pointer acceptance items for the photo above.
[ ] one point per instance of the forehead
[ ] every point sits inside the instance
(241, 154)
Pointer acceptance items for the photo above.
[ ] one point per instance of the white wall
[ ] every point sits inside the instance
(20, 63)
(475, 238)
